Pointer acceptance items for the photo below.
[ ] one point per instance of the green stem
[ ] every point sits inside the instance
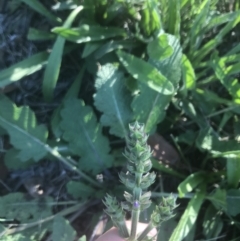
(135, 219)
(145, 232)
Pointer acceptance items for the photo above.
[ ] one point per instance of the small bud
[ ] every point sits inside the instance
(136, 204)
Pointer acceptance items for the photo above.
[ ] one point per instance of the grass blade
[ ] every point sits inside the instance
(233, 172)
(174, 20)
(55, 59)
(189, 217)
(188, 73)
(86, 33)
(35, 34)
(190, 183)
(23, 68)
(38, 7)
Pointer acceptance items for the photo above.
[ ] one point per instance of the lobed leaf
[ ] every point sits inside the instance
(71, 93)
(81, 130)
(13, 162)
(26, 212)
(113, 99)
(21, 125)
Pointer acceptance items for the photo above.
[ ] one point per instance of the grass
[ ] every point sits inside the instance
(73, 80)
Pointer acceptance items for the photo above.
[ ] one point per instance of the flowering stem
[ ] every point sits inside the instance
(135, 219)
(137, 193)
(138, 179)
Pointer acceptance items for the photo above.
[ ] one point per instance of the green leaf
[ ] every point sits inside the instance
(83, 238)
(188, 108)
(16, 237)
(114, 45)
(25, 135)
(80, 190)
(71, 93)
(233, 69)
(191, 182)
(211, 45)
(13, 162)
(149, 106)
(62, 230)
(159, 48)
(38, 7)
(87, 33)
(221, 19)
(218, 199)
(188, 73)
(24, 68)
(222, 72)
(233, 202)
(171, 66)
(212, 223)
(198, 25)
(35, 34)
(90, 47)
(233, 172)
(234, 50)
(146, 73)
(189, 216)
(174, 17)
(14, 206)
(29, 138)
(54, 62)
(166, 229)
(113, 99)
(207, 140)
(84, 135)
